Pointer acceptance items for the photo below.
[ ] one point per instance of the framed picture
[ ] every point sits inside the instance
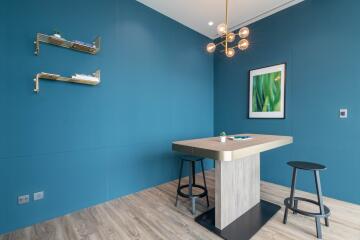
(267, 92)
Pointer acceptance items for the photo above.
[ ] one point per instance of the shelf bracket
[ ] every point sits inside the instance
(55, 77)
(93, 48)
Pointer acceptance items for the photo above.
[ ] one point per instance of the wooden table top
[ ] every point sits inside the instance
(231, 149)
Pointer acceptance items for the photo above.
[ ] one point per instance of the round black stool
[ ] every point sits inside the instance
(292, 202)
(192, 184)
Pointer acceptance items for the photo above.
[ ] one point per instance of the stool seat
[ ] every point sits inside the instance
(191, 158)
(306, 165)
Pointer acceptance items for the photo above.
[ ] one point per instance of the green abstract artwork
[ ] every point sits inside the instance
(266, 92)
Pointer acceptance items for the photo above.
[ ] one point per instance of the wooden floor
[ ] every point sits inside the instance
(151, 214)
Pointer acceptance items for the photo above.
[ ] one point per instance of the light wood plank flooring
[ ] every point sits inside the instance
(151, 214)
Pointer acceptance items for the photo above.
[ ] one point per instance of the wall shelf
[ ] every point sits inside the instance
(90, 80)
(92, 48)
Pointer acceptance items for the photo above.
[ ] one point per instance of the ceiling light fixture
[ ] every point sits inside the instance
(227, 37)
(210, 23)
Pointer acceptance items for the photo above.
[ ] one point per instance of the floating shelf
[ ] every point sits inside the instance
(55, 77)
(61, 42)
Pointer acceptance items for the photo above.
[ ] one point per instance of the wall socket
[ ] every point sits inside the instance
(38, 195)
(23, 199)
(343, 113)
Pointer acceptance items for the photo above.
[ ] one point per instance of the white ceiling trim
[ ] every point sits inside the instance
(263, 15)
(196, 14)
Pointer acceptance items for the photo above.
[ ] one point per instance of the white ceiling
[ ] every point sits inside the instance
(197, 13)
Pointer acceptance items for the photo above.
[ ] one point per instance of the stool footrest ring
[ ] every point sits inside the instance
(287, 203)
(199, 195)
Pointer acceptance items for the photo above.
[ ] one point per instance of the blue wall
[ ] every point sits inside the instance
(319, 40)
(85, 145)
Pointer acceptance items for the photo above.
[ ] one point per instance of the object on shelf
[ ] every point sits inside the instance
(93, 79)
(89, 78)
(57, 40)
(90, 45)
(57, 34)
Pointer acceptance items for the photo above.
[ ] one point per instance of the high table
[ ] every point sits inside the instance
(239, 213)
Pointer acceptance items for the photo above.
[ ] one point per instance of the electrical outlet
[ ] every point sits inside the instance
(23, 199)
(343, 113)
(38, 195)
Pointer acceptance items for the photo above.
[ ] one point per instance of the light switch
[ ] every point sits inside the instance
(38, 196)
(343, 113)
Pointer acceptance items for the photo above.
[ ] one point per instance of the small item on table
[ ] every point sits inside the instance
(222, 137)
(240, 138)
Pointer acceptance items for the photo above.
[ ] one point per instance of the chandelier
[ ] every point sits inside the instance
(227, 38)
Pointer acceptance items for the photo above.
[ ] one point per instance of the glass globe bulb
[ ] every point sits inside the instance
(243, 44)
(231, 37)
(211, 47)
(244, 32)
(221, 29)
(230, 52)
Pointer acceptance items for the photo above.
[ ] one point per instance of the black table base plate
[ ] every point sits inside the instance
(245, 226)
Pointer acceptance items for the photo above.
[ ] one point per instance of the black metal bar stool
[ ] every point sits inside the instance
(192, 183)
(292, 202)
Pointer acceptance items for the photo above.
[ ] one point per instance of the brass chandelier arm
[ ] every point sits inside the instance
(221, 42)
(228, 47)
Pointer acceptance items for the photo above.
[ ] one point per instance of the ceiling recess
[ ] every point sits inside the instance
(197, 14)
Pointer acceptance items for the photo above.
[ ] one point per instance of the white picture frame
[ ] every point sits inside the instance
(266, 94)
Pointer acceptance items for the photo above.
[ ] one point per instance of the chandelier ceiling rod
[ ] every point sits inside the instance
(227, 27)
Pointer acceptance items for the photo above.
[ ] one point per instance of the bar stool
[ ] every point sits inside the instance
(292, 202)
(192, 184)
